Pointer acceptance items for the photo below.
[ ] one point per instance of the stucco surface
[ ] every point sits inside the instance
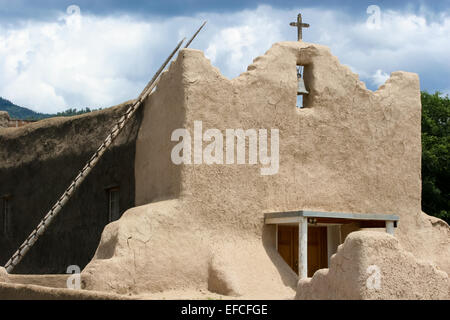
(52, 281)
(349, 150)
(352, 273)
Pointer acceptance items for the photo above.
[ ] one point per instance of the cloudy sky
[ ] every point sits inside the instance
(56, 54)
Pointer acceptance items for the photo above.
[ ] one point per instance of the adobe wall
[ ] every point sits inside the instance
(163, 112)
(373, 265)
(37, 163)
(349, 150)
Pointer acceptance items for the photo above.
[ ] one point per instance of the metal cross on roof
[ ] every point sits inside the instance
(300, 25)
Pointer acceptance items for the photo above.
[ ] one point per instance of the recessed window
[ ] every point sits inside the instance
(6, 215)
(113, 204)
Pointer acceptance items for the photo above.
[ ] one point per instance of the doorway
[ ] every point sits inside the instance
(317, 247)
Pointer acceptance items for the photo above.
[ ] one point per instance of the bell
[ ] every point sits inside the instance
(301, 87)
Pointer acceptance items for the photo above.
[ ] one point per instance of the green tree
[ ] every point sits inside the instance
(73, 112)
(436, 155)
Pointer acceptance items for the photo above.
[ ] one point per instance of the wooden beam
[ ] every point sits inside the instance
(283, 220)
(333, 215)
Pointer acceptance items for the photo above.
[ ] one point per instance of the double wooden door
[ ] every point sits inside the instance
(317, 247)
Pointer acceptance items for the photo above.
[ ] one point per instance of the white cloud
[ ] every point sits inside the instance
(100, 61)
(51, 66)
(234, 47)
(404, 42)
(379, 77)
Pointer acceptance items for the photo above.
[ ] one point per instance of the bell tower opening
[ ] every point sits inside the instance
(301, 87)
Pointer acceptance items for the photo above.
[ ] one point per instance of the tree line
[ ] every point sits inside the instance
(436, 155)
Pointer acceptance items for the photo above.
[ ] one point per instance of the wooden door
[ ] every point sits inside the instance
(286, 244)
(317, 247)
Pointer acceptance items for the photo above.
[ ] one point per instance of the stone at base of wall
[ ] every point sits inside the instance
(373, 265)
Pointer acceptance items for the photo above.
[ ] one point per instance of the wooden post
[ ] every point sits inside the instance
(303, 248)
(390, 227)
(276, 237)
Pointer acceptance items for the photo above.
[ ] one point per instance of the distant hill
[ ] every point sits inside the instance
(16, 112)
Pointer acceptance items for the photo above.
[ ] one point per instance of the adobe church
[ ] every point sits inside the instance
(341, 218)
